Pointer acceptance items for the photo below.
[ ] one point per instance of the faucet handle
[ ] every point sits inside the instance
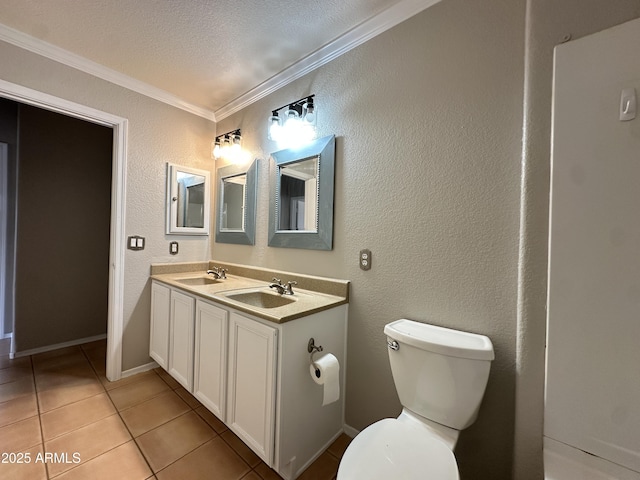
(276, 280)
(218, 272)
(288, 289)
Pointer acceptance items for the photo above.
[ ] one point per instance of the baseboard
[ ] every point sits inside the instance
(48, 348)
(288, 473)
(142, 368)
(346, 429)
(350, 431)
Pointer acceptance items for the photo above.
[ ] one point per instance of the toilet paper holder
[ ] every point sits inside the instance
(313, 348)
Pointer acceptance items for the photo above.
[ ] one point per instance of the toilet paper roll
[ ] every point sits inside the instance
(325, 371)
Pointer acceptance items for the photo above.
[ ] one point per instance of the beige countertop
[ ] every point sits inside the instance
(316, 293)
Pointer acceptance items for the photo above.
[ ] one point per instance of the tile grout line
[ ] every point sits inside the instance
(121, 419)
(35, 392)
(192, 407)
(71, 403)
(191, 410)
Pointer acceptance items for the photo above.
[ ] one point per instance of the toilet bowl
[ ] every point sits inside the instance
(440, 376)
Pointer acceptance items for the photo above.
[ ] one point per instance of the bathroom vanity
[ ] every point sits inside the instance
(241, 349)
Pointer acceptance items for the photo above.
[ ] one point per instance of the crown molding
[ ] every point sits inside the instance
(367, 30)
(45, 49)
(358, 35)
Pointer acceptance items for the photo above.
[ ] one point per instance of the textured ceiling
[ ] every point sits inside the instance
(205, 52)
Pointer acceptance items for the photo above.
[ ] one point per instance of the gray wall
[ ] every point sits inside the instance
(429, 177)
(157, 134)
(428, 122)
(431, 156)
(64, 213)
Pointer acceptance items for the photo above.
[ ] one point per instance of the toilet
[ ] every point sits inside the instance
(440, 376)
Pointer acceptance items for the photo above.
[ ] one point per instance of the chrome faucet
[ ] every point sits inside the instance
(288, 290)
(218, 273)
(283, 289)
(277, 284)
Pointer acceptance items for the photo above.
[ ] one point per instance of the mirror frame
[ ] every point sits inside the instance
(171, 206)
(248, 235)
(322, 239)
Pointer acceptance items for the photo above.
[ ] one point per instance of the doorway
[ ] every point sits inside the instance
(115, 314)
(63, 202)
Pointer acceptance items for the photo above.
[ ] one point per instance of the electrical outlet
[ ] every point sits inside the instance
(365, 259)
(173, 248)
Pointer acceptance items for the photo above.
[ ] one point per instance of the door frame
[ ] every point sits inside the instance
(4, 160)
(117, 244)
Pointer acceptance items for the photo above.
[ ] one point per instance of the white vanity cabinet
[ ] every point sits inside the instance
(210, 357)
(252, 373)
(181, 335)
(251, 381)
(159, 334)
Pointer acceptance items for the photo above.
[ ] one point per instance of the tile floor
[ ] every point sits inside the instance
(63, 419)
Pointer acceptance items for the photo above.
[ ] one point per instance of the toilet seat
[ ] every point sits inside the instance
(392, 449)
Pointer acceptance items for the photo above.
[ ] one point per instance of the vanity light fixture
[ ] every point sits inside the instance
(229, 146)
(296, 126)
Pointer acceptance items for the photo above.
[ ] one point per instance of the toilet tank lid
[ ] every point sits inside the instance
(440, 340)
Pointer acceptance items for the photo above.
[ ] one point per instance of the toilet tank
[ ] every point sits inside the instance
(440, 374)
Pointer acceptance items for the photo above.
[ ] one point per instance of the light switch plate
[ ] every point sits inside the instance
(135, 242)
(173, 248)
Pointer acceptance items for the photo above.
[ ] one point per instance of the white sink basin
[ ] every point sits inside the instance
(260, 298)
(195, 281)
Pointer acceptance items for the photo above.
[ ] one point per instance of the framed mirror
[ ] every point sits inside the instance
(188, 200)
(236, 204)
(301, 196)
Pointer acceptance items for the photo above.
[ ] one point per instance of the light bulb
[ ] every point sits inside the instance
(275, 125)
(291, 117)
(309, 113)
(216, 149)
(235, 148)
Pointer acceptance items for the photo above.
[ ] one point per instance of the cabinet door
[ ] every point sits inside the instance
(159, 329)
(251, 383)
(210, 365)
(181, 339)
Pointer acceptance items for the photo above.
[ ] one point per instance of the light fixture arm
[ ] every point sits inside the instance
(296, 126)
(297, 105)
(229, 134)
(227, 144)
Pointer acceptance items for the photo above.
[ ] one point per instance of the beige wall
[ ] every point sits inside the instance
(428, 124)
(158, 134)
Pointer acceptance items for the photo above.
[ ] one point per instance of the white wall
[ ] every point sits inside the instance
(549, 22)
(594, 269)
(157, 134)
